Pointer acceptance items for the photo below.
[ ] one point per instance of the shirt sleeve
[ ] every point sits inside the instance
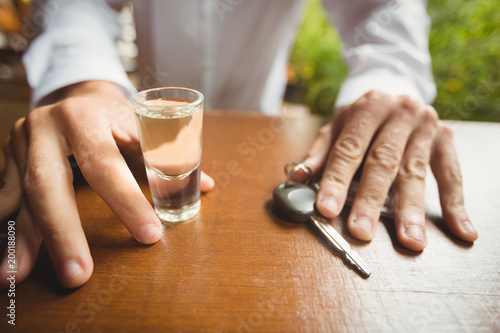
(75, 43)
(385, 47)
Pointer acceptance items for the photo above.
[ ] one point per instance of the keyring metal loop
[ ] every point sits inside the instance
(296, 167)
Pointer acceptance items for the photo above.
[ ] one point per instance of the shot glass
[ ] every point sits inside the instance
(169, 121)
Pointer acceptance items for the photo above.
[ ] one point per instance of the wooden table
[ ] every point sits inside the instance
(238, 268)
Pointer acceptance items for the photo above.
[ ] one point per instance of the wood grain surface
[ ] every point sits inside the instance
(237, 267)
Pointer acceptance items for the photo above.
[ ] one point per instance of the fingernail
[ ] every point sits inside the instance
(73, 269)
(469, 228)
(365, 225)
(415, 232)
(330, 204)
(148, 234)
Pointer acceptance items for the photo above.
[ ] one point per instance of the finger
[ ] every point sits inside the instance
(106, 171)
(10, 189)
(409, 194)
(446, 169)
(348, 150)
(379, 171)
(318, 153)
(124, 127)
(17, 150)
(206, 182)
(50, 195)
(27, 237)
(27, 240)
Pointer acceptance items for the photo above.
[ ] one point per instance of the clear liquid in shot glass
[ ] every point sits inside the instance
(171, 146)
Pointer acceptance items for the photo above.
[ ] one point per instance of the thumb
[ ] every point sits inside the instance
(206, 182)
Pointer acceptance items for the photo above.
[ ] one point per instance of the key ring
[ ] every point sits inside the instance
(296, 167)
(292, 167)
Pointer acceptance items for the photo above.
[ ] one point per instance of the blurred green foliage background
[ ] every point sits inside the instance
(465, 47)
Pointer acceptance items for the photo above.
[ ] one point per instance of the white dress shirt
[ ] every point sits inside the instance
(234, 51)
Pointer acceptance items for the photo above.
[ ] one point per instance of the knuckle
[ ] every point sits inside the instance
(444, 131)
(454, 202)
(386, 156)
(90, 160)
(38, 118)
(371, 99)
(409, 105)
(17, 130)
(415, 167)
(375, 95)
(36, 178)
(69, 108)
(373, 197)
(429, 121)
(325, 131)
(348, 148)
(19, 123)
(453, 175)
(406, 102)
(335, 177)
(34, 119)
(431, 115)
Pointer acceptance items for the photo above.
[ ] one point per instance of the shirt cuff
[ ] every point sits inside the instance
(379, 79)
(69, 63)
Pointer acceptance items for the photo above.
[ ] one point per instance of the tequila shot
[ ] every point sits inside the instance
(169, 121)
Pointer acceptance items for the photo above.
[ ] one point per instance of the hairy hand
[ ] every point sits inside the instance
(396, 138)
(93, 122)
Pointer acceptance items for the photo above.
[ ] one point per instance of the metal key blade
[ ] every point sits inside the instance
(341, 244)
(296, 201)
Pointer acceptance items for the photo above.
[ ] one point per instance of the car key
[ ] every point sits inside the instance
(314, 182)
(296, 202)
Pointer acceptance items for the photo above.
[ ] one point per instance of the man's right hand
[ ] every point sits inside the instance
(92, 121)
